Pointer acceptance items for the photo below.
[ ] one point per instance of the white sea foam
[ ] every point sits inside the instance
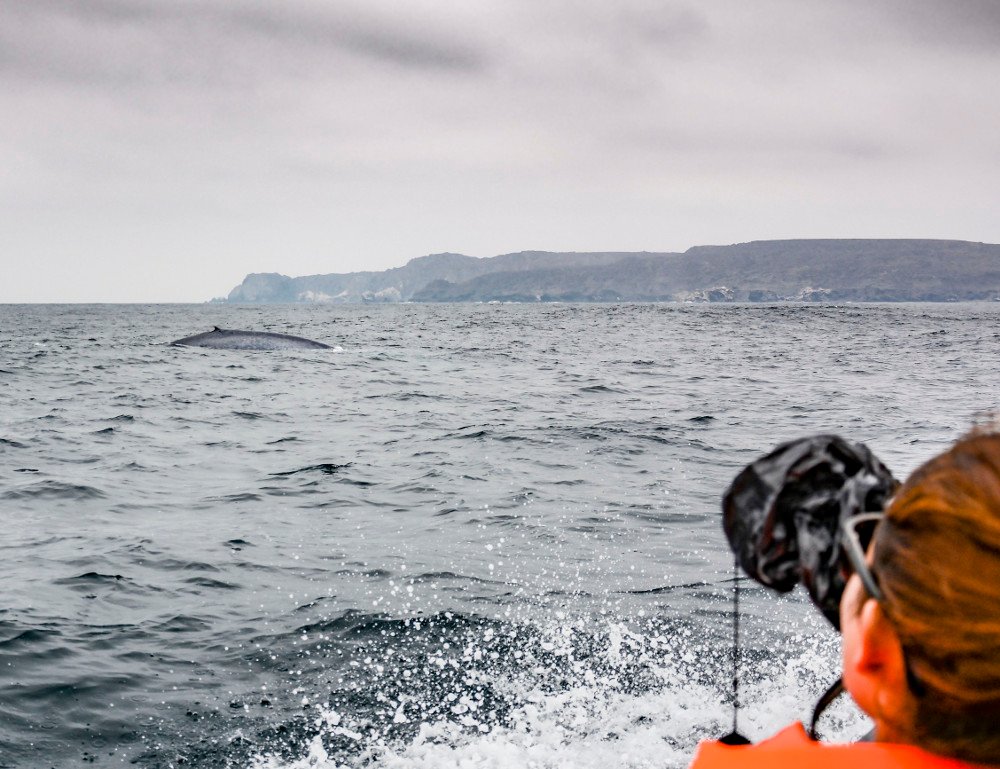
(594, 723)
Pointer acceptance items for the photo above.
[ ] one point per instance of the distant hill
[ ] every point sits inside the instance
(401, 283)
(798, 270)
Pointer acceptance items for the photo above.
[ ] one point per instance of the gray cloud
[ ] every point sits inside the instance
(143, 43)
(949, 23)
(380, 36)
(310, 136)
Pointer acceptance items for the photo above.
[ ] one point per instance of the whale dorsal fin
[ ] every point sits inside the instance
(216, 328)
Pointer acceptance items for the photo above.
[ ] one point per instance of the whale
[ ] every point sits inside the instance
(232, 339)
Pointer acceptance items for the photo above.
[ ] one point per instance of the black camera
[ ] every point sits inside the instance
(782, 514)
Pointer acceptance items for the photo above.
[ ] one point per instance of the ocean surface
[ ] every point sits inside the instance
(467, 536)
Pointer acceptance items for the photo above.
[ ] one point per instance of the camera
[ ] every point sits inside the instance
(782, 514)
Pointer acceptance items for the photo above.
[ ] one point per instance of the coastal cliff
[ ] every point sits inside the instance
(793, 270)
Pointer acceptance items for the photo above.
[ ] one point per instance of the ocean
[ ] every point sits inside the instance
(466, 536)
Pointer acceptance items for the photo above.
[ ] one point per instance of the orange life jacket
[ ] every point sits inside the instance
(792, 747)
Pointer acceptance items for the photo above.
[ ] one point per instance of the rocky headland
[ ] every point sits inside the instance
(861, 270)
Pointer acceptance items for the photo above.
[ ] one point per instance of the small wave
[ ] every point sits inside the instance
(358, 623)
(289, 439)
(667, 588)
(356, 482)
(327, 468)
(418, 396)
(449, 510)
(413, 488)
(122, 418)
(512, 438)
(702, 419)
(251, 566)
(90, 578)
(54, 490)
(12, 443)
(182, 623)
(29, 638)
(105, 431)
(175, 564)
(249, 415)
(554, 465)
(238, 543)
(374, 573)
(212, 584)
(244, 497)
(312, 604)
(434, 576)
(470, 434)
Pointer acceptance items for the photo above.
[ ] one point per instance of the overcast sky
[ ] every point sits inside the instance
(159, 150)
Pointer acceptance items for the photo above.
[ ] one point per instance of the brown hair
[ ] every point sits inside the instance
(937, 559)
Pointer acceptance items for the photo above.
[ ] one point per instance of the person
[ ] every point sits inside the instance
(920, 620)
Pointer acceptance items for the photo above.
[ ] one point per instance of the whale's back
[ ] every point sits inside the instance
(232, 339)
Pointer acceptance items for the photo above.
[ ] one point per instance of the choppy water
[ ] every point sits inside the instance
(467, 536)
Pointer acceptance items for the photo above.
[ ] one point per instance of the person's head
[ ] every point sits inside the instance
(924, 662)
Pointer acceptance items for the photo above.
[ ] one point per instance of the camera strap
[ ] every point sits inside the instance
(833, 691)
(734, 737)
